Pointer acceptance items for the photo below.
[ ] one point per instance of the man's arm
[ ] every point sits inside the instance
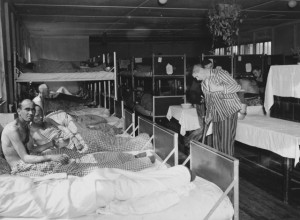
(142, 110)
(230, 85)
(39, 148)
(19, 147)
(66, 130)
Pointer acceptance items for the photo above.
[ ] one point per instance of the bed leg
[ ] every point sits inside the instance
(287, 168)
(236, 192)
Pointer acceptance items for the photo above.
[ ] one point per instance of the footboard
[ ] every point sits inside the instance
(219, 168)
(129, 122)
(165, 141)
(166, 144)
(119, 109)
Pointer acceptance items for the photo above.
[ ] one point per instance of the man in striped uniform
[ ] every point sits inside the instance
(222, 105)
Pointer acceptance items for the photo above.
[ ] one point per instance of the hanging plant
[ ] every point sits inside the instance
(224, 21)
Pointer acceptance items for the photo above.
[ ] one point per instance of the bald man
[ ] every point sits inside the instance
(15, 137)
(40, 98)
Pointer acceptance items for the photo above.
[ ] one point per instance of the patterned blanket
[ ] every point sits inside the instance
(102, 137)
(83, 164)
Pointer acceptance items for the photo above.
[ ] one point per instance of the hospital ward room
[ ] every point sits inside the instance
(149, 110)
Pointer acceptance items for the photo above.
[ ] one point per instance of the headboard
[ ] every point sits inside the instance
(129, 122)
(161, 104)
(5, 118)
(166, 144)
(119, 109)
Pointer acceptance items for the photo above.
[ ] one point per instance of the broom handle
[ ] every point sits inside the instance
(206, 126)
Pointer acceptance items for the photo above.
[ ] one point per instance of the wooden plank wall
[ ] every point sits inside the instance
(13, 37)
(3, 88)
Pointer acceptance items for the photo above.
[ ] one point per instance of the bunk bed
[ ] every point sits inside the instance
(125, 83)
(163, 78)
(100, 84)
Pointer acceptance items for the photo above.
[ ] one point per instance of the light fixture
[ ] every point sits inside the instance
(292, 3)
(162, 2)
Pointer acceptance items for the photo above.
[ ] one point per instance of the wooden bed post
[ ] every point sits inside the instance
(95, 92)
(115, 76)
(100, 89)
(109, 93)
(104, 94)
(236, 191)
(287, 168)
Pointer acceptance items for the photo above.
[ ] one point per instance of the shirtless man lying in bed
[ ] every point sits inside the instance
(15, 137)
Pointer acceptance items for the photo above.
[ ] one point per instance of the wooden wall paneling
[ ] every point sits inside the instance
(14, 56)
(295, 34)
(297, 41)
(3, 88)
(9, 70)
(18, 42)
(284, 41)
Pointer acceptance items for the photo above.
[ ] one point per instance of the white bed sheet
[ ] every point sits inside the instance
(60, 116)
(195, 205)
(279, 136)
(283, 80)
(142, 74)
(67, 77)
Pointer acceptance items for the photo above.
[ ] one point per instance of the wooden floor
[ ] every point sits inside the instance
(261, 193)
(257, 204)
(260, 188)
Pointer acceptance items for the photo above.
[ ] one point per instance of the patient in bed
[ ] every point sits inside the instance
(46, 133)
(48, 137)
(145, 102)
(61, 99)
(27, 157)
(93, 140)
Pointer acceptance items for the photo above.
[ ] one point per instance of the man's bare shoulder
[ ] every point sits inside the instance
(10, 127)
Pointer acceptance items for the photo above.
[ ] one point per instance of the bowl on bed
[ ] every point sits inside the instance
(186, 105)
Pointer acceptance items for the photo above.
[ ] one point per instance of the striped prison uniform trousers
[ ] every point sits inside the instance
(224, 134)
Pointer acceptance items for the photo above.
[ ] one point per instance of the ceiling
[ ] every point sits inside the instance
(126, 20)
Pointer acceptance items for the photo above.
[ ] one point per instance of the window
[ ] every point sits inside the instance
(219, 51)
(242, 49)
(249, 49)
(246, 49)
(267, 48)
(263, 48)
(222, 51)
(259, 48)
(28, 57)
(235, 49)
